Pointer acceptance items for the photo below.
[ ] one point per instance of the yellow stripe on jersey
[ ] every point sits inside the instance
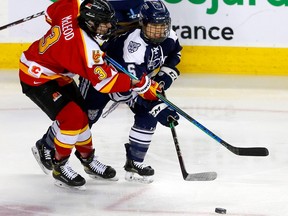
(48, 20)
(25, 69)
(63, 145)
(107, 88)
(85, 142)
(74, 132)
(79, 4)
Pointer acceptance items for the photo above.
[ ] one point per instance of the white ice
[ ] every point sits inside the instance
(243, 111)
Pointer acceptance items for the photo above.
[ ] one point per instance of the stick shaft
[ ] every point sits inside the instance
(250, 151)
(22, 20)
(179, 154)
(203, 176)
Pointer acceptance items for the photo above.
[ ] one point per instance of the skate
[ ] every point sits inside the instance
(43, 156)
(95, 169)
(65, 176)
(138, 172)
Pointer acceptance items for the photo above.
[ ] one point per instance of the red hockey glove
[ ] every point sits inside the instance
(147, 88)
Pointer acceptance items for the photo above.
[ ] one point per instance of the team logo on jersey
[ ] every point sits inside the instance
(156, 58)
(92, 114)
(88, 5)
(101, 73)
(96, 55)
(133, 46)
(35, 70)
(56, 96)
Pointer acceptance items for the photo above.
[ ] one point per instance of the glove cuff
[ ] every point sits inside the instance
(143, 86)
(172, 73)
(157, 109)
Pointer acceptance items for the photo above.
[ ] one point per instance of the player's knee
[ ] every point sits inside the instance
(146, 122)
(72, 117)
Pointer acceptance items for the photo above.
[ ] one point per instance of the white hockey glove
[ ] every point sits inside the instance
(166, 76)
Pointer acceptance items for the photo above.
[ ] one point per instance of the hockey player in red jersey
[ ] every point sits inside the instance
(46, 74)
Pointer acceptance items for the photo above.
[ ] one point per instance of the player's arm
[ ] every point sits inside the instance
(168, 72)
(107, 79)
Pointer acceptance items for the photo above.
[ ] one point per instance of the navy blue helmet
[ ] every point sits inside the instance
(155, 13)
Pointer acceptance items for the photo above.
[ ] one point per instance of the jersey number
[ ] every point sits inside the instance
(131, 69)
(49, 40)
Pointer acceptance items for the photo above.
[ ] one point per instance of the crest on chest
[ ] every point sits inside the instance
(133, 46)
(156, 58)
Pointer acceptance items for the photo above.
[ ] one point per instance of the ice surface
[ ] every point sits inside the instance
(243, 111)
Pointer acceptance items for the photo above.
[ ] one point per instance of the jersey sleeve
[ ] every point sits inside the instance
(104, 78)
(110, 80)
(51, 11)
(174, 57)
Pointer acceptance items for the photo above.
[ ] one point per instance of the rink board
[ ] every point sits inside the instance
(198, 59)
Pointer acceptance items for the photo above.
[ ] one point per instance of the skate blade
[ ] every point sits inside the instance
(96, 177)
(37, 157)
(134, 177)
(63, 185)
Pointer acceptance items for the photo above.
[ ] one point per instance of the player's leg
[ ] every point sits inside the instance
(139, 140)
(96, 169)
(44, 146)
(58, 106)
(94, 103)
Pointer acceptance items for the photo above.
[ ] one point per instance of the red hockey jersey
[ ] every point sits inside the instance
(66, 50)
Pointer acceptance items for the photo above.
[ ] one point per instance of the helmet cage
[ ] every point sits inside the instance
(157, 15)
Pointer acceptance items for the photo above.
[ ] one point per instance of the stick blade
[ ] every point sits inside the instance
(246, 151)
(257, 151)
(204, 176)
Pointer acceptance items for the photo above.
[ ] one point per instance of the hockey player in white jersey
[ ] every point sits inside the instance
(147, 49)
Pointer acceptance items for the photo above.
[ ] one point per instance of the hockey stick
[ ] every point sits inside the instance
(25, 19)
(22, 20)
(204, 176)
(248, 151)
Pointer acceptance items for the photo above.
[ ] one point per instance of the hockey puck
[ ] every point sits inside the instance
(220, 210)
